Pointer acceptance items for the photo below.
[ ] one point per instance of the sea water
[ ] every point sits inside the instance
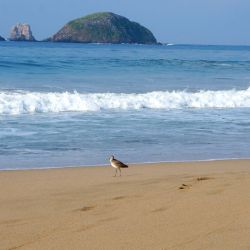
(76, 104)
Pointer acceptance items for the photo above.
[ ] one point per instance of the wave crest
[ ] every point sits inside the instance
(36, 102)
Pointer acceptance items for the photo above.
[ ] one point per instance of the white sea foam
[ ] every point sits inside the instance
(36, 102)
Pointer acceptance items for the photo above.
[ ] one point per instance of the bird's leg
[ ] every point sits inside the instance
(115, 172)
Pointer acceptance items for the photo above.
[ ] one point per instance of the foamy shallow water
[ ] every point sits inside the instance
(71, 104)
(15, 103)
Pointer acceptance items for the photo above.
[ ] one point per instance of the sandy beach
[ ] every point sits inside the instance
(195, 205)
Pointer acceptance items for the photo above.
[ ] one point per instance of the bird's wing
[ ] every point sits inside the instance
(120, 164)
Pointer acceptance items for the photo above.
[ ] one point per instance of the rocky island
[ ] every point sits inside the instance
(2, 39)
(21, 32)
(105, 27)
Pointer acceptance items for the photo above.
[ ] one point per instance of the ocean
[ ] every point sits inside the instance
(65, 105)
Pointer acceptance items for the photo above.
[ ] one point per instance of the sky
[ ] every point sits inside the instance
(172, 21)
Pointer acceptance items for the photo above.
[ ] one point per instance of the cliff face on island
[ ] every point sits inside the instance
(2, 39)
(104, 27)
(21, 32)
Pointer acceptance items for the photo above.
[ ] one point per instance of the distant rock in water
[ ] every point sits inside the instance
(2, 39)
(21, 32)
(105, 27)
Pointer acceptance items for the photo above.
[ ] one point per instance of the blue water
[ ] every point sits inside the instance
(76, 104)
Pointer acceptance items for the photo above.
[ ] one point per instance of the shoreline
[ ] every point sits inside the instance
(132, 164)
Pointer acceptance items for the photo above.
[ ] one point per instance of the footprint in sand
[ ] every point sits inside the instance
(185, 186)
(86, 208)
(157, 210)
(203, 178)
(119, 198)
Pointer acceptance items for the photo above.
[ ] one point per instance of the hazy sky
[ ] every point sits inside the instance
(175, 21)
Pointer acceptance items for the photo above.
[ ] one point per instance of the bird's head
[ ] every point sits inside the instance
(111, 158)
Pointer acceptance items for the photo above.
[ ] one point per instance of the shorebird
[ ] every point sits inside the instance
(117, 165)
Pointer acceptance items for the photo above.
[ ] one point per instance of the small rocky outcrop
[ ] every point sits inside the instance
(2, 39)
(105, 27)
(21, 32)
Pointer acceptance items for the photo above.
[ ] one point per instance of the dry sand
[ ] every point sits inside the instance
(146, 208)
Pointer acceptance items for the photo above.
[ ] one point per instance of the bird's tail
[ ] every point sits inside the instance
(125, 166)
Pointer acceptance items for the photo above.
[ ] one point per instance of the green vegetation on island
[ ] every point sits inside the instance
(105, 27)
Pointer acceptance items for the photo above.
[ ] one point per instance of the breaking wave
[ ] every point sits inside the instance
(13, 103)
